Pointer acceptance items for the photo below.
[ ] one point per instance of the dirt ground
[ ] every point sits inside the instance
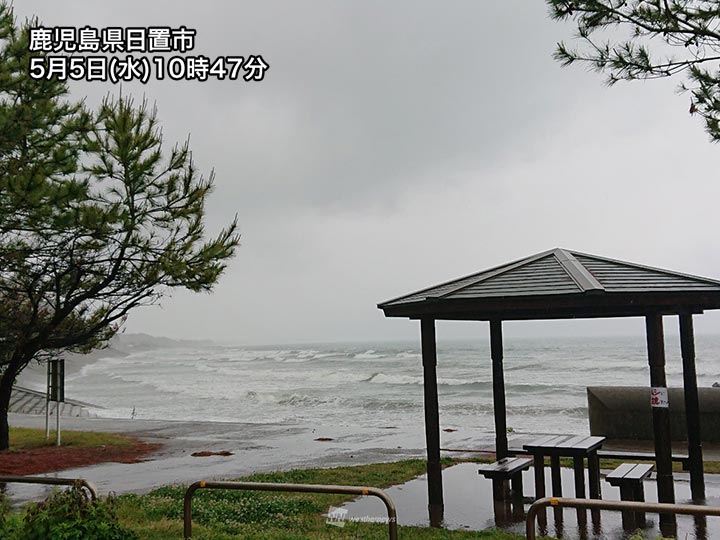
(57, 458)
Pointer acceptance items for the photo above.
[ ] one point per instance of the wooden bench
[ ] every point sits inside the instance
(503, 470)
(643, 456)
(629, 478)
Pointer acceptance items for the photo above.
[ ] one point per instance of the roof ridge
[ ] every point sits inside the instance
(582, 277)
(475, 274)
(492, 273)
(646, 267)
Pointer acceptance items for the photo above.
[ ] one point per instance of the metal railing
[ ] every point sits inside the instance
(52, 482)
(625, 506)
(296, 488)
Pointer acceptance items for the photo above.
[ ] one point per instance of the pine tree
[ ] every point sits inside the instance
(96, 218)
(650, 39)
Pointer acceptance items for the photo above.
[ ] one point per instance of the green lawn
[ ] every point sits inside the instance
(225, 515)
(234, 515)
(26, 438)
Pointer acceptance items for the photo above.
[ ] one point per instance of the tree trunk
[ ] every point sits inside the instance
(18, 361)
(6, 385)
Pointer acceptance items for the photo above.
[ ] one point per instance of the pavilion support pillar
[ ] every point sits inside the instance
(692, 407)
(432, 422)
(498, 378)
(660, 415)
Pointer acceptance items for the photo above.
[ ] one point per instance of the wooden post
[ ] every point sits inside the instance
(594, 475)
(579, 470)
(692, 407)
(498, 377)
(660, 414)
(432, 422)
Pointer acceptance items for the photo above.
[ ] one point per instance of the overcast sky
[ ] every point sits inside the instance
(394, 145)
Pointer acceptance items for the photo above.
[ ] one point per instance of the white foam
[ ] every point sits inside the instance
(370, 354)
(343, 384)
(382, 378)
(408, 354)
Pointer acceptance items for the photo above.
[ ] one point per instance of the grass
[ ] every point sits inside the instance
(232, 515)
(26, 439)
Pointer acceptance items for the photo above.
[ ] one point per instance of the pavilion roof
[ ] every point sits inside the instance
(560, 283)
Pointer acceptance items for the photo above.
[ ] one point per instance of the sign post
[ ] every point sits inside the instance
(47, 405)
(56, 393)
(659, 397)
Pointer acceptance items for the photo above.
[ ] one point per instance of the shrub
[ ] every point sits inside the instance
(70, 515)
(7, 523)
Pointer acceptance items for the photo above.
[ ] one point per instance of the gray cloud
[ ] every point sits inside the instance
(393, 145)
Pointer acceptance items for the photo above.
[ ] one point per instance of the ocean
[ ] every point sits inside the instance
(372, 386)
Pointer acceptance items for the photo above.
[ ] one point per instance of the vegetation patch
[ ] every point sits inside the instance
(66, 515)
(226, 514)
(27, 438)
(30, 453)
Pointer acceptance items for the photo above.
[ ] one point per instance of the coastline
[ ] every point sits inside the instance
(254, 447)
(344, 406)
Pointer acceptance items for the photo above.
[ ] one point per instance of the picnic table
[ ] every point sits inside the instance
(578, 448)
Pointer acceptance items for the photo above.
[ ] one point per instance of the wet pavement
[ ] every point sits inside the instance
(255, 448)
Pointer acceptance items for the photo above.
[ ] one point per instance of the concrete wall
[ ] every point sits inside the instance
(623, 412)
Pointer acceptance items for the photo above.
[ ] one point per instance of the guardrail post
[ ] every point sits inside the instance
(52, 482)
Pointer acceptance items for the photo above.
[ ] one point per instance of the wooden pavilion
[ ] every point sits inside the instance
(563, 284)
